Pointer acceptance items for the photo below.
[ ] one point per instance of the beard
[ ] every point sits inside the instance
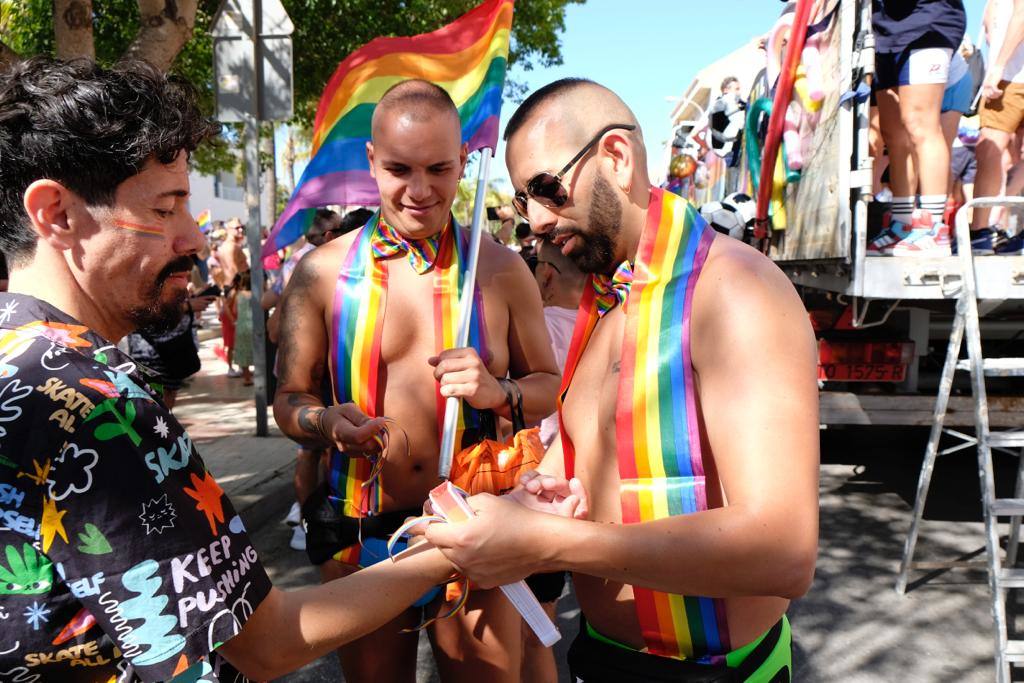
(596, 251)
(157, 314)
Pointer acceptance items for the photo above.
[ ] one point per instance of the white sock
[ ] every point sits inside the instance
(903, 209)
(935, 204)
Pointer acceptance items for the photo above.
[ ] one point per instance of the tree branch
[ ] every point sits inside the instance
(72, 29)
(164, 28)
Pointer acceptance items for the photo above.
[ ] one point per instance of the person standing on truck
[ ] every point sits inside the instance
(914, 43)
(1001, 113)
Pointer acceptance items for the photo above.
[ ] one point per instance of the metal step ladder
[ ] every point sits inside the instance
(1002, 576)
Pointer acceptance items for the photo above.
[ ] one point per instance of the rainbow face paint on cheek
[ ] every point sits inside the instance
(139, 229)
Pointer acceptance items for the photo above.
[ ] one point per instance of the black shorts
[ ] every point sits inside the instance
(548, 586)
(328, 531)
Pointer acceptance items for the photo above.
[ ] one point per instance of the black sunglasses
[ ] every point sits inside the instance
(547, 189)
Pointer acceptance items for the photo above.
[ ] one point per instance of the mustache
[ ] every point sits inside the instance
(182, 264)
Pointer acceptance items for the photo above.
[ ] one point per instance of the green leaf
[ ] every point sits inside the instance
(93, 542)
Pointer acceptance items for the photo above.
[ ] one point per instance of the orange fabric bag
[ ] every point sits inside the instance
(494, 467)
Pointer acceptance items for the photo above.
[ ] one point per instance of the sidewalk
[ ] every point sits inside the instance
(220, 416)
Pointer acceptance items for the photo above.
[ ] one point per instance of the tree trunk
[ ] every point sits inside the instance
(164, 28)
(72, 29)
(7, 55)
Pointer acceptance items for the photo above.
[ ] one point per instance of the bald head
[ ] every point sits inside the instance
(415, 100)
(546, 251)
(579, 106)
(560, 280)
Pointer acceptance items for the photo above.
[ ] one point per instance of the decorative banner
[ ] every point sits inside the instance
(467, 58)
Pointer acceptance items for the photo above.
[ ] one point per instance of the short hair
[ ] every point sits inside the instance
(88, 128)
(539, 97)
(416, 97)
(355, 219)
(523, 231)
(324, 221)
(727, 81)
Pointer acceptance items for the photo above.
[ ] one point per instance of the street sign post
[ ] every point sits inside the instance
(252, 52)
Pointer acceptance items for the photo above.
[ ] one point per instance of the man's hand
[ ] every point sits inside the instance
(502, 544)
(990, 86)
(553, 495)
(350, 429)
(462, 374)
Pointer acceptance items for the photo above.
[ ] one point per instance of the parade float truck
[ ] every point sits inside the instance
(882, 322)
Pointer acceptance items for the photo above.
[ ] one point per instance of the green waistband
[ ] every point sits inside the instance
(732, 659)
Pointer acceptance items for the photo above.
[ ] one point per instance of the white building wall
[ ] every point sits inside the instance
(222, 196)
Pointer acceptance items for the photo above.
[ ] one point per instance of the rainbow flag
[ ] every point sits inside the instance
(203, 219)
(467, 58)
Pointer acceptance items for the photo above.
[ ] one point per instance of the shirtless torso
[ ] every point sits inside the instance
(589, 419)
(407, 342)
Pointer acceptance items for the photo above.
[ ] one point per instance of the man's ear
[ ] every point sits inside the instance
(463, 156)
(546, 279)
(617, 149)
(369, 157)
(46, 203)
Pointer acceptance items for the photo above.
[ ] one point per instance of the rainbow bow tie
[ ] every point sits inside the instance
(387, 242)
(612, 291)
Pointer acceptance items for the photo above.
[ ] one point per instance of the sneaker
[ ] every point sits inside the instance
(983, 241)
(925, 239)
(1011, 246)
(298, 541)
(294, 517)
(890, 236)
(234, 372)
(922, 243)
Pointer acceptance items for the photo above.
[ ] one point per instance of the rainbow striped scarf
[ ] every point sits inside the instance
(657, 436)
(360, 299)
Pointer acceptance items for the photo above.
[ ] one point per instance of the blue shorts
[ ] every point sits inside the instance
(375, 550)
(958, 95)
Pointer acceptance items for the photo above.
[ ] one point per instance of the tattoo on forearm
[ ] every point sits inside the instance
(616, 366)
(309, 419)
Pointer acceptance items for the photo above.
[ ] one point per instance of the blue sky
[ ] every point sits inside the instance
(647, 50)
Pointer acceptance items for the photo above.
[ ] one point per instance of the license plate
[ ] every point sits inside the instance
(862, 372)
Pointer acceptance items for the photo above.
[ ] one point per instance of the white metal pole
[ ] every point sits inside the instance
(451, 406)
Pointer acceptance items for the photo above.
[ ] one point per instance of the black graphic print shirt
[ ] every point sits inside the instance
(120, 556)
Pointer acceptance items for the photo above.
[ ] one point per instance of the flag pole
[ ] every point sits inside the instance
(451, 405)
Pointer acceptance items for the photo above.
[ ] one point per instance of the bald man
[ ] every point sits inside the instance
(378, 302)
(689, 414)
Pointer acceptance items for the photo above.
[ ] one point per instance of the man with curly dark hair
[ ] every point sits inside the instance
(120, 556)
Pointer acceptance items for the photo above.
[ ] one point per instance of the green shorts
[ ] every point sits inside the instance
(595, 658)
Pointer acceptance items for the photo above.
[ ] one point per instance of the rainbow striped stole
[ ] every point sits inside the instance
(360, 299)
(657, 436)
(467, 58)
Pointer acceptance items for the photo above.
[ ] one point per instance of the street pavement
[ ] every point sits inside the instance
(851, 626)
